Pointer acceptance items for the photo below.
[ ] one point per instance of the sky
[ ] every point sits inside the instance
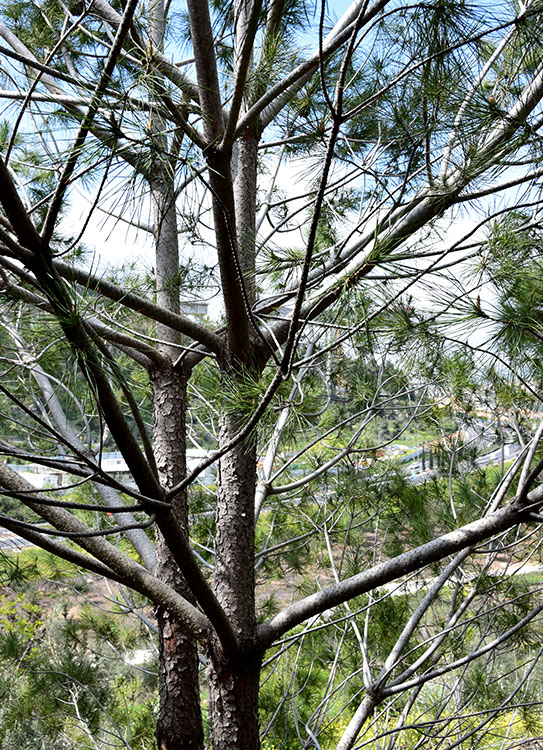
(112, 242)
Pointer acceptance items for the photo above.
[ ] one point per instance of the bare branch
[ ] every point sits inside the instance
(408, 562)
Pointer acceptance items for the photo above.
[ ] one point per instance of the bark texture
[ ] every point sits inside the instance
(233, 702)
(166, 254)
(244, 168)
(234, 555)
(179, 724)
(233, 682)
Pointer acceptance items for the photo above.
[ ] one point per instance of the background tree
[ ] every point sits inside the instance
(400, 115)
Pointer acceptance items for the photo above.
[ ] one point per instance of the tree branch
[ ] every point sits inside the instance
(128, 571)
(206, 70)
(271, 103)
(408, 562)
(86, 123)
(246, 26)
(114, 292)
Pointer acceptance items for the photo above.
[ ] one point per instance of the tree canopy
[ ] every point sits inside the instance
(344, 223)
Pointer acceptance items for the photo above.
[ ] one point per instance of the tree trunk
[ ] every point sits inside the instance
(233, 683)
(179, 723)
(245, 169)
(233, 702)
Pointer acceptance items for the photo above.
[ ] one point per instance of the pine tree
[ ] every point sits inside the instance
(180, 120)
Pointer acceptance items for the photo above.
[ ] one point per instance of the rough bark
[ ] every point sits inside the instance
(234, 556)
(179, 723)
(233, 683)
(233, 702)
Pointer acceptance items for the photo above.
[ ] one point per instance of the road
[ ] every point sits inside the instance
(10, 541)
